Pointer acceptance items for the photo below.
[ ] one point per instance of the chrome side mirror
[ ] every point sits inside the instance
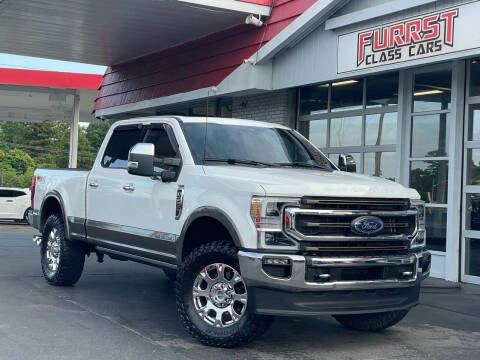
(347, 163)
(140, 159)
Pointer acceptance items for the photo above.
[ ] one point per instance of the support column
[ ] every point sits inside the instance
(73, 154)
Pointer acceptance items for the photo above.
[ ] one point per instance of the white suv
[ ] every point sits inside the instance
(14, 203)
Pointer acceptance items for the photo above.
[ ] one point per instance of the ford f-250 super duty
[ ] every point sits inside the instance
(249, 218)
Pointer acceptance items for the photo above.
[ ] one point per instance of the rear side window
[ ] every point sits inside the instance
(11, 193)
(122, 140)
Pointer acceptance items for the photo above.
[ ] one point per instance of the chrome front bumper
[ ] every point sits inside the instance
(251, 266)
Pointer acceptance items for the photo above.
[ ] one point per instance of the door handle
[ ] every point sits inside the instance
(93, 185)
(129, 187)
(9, 200)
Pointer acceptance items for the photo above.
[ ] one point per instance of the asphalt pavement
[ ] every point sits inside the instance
(122, 310)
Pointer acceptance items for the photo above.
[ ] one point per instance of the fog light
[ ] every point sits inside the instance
(277, 267)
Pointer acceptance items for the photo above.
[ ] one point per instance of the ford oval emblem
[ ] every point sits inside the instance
(367, 225)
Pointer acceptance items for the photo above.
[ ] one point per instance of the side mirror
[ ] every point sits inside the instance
(347, 163)
(168, 176)
(140, 159)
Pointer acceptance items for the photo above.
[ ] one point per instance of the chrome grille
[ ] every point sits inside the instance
(324, 224)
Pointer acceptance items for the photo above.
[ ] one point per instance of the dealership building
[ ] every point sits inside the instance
(396, 84)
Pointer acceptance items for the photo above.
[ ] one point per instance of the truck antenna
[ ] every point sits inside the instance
(213, 89)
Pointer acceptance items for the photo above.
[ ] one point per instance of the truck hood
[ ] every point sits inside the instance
(306, 182)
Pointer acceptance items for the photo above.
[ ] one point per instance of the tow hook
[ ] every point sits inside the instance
(37, 239)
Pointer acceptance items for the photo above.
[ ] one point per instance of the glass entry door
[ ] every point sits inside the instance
(471, 175)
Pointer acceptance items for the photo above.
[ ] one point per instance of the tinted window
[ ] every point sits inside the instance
(267, 145)
(11, 193)
(162, 141)
(163, 138)
(122, 140)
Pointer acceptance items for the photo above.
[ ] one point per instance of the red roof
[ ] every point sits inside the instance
(194, 65)
(49, 78)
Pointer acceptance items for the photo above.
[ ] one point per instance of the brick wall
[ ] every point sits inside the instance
(276, 107)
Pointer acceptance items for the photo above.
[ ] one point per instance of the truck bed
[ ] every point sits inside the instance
(69, 184)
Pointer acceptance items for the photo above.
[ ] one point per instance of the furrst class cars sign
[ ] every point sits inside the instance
(436, 33)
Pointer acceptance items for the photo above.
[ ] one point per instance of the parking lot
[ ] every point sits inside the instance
(122, 310)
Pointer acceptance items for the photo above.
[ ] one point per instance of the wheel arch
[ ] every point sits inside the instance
(53, 204)
(205, 216)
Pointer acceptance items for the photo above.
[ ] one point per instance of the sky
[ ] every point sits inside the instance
(32, 63)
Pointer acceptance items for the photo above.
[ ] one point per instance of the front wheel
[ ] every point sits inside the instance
(372, 322)
(212, 298)
(62, 260)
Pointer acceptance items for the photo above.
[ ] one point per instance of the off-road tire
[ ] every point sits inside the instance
(72, 255)
(249, 327)
(170, 274)
(371, 322)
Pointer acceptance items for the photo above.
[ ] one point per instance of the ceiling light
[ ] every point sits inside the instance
(427, 92)
(346, 82)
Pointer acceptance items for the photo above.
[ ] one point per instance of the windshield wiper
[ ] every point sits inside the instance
(302, 165)
(242, 161)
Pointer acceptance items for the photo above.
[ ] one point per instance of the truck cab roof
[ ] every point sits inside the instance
(201, 119)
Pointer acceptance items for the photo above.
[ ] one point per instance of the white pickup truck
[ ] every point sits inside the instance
(249, 218)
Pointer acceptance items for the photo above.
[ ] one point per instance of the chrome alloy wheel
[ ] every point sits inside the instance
(220, 295)
(53, 250)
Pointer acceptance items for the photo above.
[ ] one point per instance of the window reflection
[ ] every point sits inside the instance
(472, 257)
(430, 179)
(315, 131)
(430, 135)
(475, 77)
(314, 100)
(382, 90)
(346, 131)
(473, 167)
(436, 228)
(472, 215)
(381, 129)
(474, 122)
(347, 95)
(432, 91)
(382, 164)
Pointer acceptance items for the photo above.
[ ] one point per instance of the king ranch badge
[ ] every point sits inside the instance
(413, 38)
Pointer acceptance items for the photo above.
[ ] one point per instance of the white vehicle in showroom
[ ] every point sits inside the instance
(14, 203)
(250, 219)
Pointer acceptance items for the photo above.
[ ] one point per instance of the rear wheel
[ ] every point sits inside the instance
(25, 215)
(212, 298)
(62, 260)
(372, 322)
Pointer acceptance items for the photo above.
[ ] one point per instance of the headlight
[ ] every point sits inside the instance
(266, 213)
(420, 239)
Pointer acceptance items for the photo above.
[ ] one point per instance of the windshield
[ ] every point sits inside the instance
(252, 145)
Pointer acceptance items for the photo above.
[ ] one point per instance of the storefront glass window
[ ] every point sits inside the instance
(472, 257)
(472, 215)
(347, 95)
(436, 228)
(432, 91)
(382, 164)
(475, 77)
(346, 131)
(382, 90)
(430, 135)
(318, 132)
(314, 100)
(381, 129)
(474, 122)
(473, 167)
(430, 179)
